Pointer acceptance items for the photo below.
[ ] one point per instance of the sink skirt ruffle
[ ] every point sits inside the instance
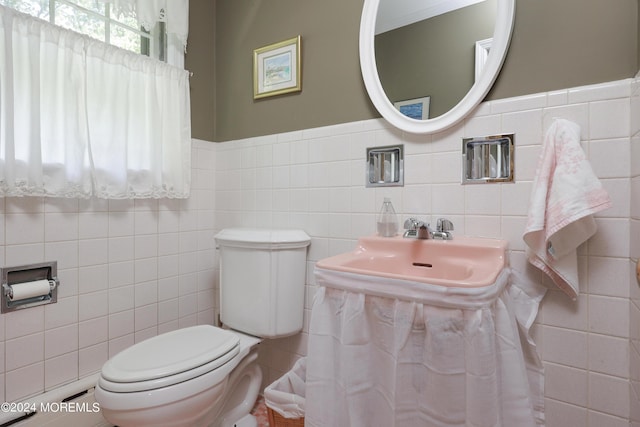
(395, 353)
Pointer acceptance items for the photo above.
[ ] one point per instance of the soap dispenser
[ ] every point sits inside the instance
(387, 223)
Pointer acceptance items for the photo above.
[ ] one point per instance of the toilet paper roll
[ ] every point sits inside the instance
(26, 290)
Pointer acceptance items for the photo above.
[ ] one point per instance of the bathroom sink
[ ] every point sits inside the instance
(461, 262)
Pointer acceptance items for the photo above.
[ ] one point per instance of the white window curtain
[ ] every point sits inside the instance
(174, 13)
(79, 118)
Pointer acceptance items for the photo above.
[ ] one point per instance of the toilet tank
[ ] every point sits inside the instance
(262, 280)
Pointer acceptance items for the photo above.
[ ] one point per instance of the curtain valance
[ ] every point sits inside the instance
(79, 118)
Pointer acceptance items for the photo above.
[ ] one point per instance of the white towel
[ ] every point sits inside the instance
(565, 195)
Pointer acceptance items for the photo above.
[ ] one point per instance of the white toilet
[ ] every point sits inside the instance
(204, 375)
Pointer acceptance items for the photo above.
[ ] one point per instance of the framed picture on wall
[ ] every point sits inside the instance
(276, 69)
(417, 108)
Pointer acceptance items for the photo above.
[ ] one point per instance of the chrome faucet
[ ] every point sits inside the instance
(443, 230)
(416, 229)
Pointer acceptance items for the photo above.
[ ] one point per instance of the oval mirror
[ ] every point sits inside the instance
(407, 92)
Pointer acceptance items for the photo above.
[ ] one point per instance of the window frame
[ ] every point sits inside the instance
(109, 23)
(154, 44)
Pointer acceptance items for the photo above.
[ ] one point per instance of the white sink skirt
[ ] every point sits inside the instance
(410, 354)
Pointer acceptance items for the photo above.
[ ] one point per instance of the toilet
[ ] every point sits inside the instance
(205, 375)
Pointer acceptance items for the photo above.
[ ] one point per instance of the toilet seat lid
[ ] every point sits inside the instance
(170, 353)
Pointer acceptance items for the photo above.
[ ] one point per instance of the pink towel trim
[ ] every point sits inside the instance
(565, 194)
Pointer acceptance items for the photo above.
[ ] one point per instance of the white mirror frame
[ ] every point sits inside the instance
(501, 38)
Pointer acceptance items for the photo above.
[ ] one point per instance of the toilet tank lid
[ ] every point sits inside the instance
(262, 238)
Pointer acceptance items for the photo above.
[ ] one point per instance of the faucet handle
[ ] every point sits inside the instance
(444, 224)
(412, 224)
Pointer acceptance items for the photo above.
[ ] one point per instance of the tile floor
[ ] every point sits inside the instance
(260, 412)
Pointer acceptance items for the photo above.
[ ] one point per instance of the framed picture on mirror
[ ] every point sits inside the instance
(276, 69)
(417, 108)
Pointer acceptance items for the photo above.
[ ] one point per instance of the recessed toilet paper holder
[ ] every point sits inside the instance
(29, 285)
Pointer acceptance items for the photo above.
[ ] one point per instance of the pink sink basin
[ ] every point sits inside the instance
(461, 262)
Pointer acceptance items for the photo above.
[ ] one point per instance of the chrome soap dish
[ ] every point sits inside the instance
(488, 159)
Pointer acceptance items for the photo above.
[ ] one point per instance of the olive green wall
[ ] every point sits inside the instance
(556, 44)
(200, 60)
(332, 90)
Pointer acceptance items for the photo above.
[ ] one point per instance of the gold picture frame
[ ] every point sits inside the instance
(276, 69)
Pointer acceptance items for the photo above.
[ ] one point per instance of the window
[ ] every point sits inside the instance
(99, 20)
(82, 118)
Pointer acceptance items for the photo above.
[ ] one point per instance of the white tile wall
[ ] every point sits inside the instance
(314, 179)
(634, 300)
(128, 271)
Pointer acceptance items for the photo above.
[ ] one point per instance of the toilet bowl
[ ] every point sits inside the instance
(197, 376)
(205, 375)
